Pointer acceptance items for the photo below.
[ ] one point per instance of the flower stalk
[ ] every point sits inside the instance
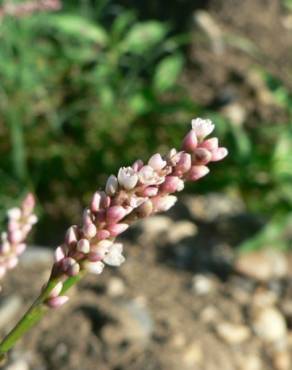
(138, 191)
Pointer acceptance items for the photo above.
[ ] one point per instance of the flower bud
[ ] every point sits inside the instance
(210, 144)
(196, 172)
(115, 214)
(71, 235)
(219, 154)
(184, 164)
(163, 203)
(201, 156)
(14, 213)
(111, 185)
(94, 267)
(202, 127)
(95, 202)
(190, 142)
(56, 302)
(89, 231)
(102, 234)
(59, 254)
(137, 165)
(156, 162)
(150, 191)
(117, 229)
(83, 246)
(127, 177)
(15, 236)
(172, 184)
(28, 204)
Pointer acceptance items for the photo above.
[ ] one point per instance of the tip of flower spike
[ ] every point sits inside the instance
(202, 127)
(56, 302)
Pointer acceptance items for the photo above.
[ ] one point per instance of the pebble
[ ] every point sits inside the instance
(262, 265)
(270, 325)
(115, 287)
(17, 365)
(209, 314)
(180, 230)
(9, 307)
(233, 333)
(193, 355)
(250, 362)
(282, 360)
(203, 284)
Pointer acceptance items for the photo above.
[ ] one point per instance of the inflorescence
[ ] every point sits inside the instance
(138, 191)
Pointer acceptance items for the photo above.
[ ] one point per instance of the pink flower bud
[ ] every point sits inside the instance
(13, 225)
(196, 172)
(83, 246)
(70, 266)
(201, 156)
(115, 214)
(117, 229)
(89, 231)
(71, 235)
(56, 302)
(202, 127)
(15, 236)
(137, 165)
(190, 142)
(14, 213)
(95, 202)
(20, 248)
(219, 154)
(111, 185)
(11, 262)
(150, 191)
(94, 257)
(148, 176)
(59, 254)
(127, 177)
(5, 247)
(210, 144)
(156, 162)
(102, 234)
(172, 184)
(28, 204)
(94, 267)
(32, 219)
(184, 164)
(105, 200)
(163, 203)
(56, 290)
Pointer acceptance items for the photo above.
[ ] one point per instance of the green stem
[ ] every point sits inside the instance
(34, 313)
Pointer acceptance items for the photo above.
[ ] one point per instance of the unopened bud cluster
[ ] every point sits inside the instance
(136, 192)
(12, 243)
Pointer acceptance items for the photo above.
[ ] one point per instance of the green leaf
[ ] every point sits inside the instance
(78, 27)
(167, 72)
(143, 36)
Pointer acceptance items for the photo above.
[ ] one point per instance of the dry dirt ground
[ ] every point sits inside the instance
(182, 300)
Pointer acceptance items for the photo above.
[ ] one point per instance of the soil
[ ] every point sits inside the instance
(170, 304)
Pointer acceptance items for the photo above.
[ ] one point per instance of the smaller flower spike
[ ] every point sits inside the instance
(136, 192)
(12, 242)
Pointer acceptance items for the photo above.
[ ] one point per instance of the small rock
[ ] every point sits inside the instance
(282, 360)
(262, 265)
(203, 284)
(235, 112)
(178, 340)
(270, 325)
(264, 298)
(209, 315)
(193, 355)
(251, 362)
(9, 307)
(233, 333)
(18, 365)
(180, 230)
(115, 287)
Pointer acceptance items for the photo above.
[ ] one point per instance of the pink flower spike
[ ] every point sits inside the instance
(219, 154)
(115, 214)
(196, 172)
(117, 229)
(95, 202)
(202, 127)
(210, 144)
(156, 162)
(56, 302)
(56, 290)
(190, 142)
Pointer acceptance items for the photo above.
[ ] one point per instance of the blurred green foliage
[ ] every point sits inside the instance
(86, 90)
